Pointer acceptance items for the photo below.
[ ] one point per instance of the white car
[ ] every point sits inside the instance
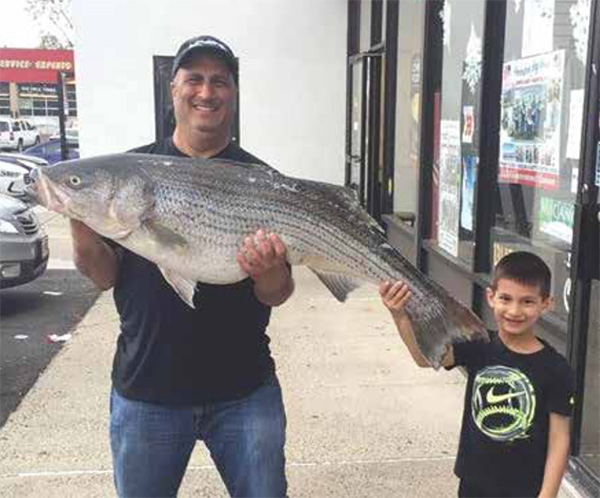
(12, 169)
(17, 134)
(9, 173)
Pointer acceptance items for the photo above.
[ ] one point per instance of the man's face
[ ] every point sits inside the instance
(517, 307)
(204, 96)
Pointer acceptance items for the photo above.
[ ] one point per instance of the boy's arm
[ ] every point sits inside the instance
(394, 297)
(558, 452)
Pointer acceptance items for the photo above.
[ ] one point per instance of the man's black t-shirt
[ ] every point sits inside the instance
(508, 400)
(170, 353)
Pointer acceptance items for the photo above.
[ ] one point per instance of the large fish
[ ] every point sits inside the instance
(190, 217)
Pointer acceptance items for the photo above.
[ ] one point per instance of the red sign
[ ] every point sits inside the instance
(24, 65)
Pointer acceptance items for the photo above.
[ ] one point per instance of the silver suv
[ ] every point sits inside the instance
(17, 134)
(23, 243)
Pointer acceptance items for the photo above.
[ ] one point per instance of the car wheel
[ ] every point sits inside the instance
(20, 146)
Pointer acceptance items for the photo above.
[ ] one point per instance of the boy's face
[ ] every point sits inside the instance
(517, 307)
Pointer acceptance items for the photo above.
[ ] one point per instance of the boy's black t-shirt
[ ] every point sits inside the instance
(508, 400)
(170, 353)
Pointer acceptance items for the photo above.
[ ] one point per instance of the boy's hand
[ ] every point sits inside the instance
(395, 296)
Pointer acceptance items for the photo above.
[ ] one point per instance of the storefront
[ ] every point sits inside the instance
(473, 131)
(29, 86)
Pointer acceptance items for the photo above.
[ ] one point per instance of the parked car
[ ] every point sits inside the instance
(23, 244)
(9, 174)
(50, 150)
(17, 134)
(23, 159)
(12, 169)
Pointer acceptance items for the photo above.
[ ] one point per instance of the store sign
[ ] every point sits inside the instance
(33, 65)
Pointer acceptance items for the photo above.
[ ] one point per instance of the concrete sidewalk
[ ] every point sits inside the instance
(363, 420)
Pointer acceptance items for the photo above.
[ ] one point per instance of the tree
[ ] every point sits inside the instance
(53, 18)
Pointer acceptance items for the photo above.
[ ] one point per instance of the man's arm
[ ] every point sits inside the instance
(93, 257)
(556, 458)
(394, 297)
(263, 258)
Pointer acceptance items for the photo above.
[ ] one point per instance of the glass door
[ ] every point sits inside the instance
(355, 161)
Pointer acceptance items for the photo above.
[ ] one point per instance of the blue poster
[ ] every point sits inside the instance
(468, 191)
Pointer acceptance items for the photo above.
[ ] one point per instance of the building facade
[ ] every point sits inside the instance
(29, 80)
(473, 131)
(469, 129)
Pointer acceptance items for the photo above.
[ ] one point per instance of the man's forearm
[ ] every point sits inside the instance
(93, 257)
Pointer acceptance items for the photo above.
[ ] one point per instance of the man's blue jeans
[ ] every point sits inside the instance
(151, 444)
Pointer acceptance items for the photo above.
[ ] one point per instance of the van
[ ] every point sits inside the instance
(17, 134)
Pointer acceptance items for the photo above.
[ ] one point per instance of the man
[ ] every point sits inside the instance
(182, 374)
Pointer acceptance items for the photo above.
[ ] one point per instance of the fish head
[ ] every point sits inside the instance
(109, 196)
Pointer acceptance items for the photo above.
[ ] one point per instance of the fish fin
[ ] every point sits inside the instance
(166, 236)
(184, 287)
(339, 285)
(441, 323)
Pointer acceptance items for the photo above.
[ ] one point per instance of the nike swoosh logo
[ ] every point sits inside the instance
(498, 398)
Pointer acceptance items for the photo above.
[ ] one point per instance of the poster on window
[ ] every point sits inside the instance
(538, 27)
(531, 120)
(469, 174)
(449, 186)
(556, 218)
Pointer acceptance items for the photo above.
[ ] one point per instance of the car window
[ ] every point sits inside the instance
(4, 126)
(16, 126)
(52, 148)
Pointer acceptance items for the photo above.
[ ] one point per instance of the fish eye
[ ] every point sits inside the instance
(75, 180)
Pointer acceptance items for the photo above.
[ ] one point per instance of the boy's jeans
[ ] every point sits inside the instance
(151, 444)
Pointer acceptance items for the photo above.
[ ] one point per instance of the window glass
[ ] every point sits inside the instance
(3, 126)
(71, 99)
(540, 134)
(454, 185)
(37, 100)
(365, 25)
(589, 450)
(411, 28)
(4, 99)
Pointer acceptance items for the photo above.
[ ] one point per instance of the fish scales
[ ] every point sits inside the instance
(190, 217)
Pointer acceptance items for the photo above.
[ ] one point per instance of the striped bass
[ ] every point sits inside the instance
(190, 217)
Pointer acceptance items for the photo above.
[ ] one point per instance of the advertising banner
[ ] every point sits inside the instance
(449, 186)
(531, 119)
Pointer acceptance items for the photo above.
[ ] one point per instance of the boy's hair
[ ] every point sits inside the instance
(525, 268)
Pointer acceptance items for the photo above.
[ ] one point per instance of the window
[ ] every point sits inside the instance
(4, 99)
(37, 100)
(4, 126)
(71, 95)
(411, 26)
(454, 182)
(540, 134)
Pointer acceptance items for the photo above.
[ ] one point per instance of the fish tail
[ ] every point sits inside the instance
(442, 323)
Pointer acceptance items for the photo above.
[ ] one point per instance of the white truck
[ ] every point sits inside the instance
(17, 134)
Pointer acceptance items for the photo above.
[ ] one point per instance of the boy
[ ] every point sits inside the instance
(514, 440)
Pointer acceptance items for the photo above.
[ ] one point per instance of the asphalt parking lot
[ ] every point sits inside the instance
(35, 314)
(32, 317)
